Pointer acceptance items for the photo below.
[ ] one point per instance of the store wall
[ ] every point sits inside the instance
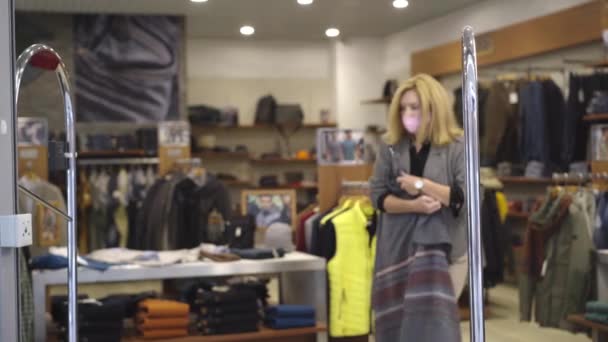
(359, 77)
(238, 72)
(483, 17)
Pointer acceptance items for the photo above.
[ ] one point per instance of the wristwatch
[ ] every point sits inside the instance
(419, 184)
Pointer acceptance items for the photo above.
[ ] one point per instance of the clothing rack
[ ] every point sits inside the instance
(118, 161)
(579, 177)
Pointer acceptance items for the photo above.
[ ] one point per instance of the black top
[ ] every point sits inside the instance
(418, 159)
(417, 163)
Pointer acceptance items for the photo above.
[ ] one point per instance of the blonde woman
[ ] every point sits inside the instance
(418, 183)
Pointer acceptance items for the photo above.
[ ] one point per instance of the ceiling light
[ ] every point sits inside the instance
(199, 0)
(305, 2)
(247, 30)
(401, 3)
(332, 32)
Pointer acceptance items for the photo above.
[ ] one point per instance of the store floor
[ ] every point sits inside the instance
(503, 324)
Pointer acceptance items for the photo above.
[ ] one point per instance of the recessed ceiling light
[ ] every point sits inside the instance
(332, 32)
(305, 2)
(199, 0)
(247, 30)
(401, 3)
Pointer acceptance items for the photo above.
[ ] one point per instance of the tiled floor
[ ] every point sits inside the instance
(503, 324)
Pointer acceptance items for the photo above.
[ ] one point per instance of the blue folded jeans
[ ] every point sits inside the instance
(288, 323)
(291, 311)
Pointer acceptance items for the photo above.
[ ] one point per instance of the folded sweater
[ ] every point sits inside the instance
(158, 308)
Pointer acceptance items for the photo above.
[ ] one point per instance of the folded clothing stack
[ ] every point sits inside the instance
(97, 321)
(227, 311)
(597, 312)
(290, 316)
(157, 318)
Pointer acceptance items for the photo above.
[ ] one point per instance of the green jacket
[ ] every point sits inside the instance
(563, 287)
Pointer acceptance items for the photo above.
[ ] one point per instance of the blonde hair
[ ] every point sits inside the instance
(440, 128)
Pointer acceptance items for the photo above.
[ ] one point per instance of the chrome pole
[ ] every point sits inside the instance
(469, 103)
(62, 76)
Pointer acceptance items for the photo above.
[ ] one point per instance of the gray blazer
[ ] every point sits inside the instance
(398, 234)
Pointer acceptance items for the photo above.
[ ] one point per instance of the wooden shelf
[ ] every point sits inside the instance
(111, 154)
(244, 156)
(299, 187)
(518, 215)
(383, 100)
(595, 117)
(525, 180)
(237, 183)
(262, 127)
(280, 161)
(265, 334)
(583, 322)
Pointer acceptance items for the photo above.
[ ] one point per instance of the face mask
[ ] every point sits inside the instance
(411, 123)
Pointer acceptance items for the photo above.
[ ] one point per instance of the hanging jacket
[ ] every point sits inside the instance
(563, 285)
(350, 275)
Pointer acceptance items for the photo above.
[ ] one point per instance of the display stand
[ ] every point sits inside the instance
(173, 144)
(303, 280)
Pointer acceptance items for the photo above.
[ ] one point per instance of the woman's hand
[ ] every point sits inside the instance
(426, 205)
(407, 183)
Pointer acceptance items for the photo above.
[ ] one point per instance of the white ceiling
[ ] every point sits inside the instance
(273, 19)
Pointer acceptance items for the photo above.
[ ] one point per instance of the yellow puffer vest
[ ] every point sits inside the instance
(350, 276)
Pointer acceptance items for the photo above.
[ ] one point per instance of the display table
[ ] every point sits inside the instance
(599, 331)
(302, 280)
(265, 334)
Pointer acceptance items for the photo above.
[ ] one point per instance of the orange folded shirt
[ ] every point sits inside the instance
(163, 333)
(158, 308)
(146, 323)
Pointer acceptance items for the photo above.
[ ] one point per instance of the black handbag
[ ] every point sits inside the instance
(265, 111)
(289, 115)
(240, 232)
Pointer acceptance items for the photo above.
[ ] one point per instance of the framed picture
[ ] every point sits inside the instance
(32, 131)
(270, 206)
(340, 146)
(599, 142)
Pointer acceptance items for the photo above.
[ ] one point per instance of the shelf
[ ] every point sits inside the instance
(237, 183)
(525, 180)
(244, 156)
(264, 334)
(261, 126)
(111, 154)
(383, 100)
(117, 161)
(518, 215)
(280, 161)
(299, 187)
(595, 117)
(583, 322)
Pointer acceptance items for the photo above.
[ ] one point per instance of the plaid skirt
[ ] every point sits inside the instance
(414, 300)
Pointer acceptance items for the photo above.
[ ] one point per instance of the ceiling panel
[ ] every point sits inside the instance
(273, 19)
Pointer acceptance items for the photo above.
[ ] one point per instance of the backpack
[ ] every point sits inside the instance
(265, 112)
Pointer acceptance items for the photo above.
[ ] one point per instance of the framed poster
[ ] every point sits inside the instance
(340, 146)
(270, 206)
